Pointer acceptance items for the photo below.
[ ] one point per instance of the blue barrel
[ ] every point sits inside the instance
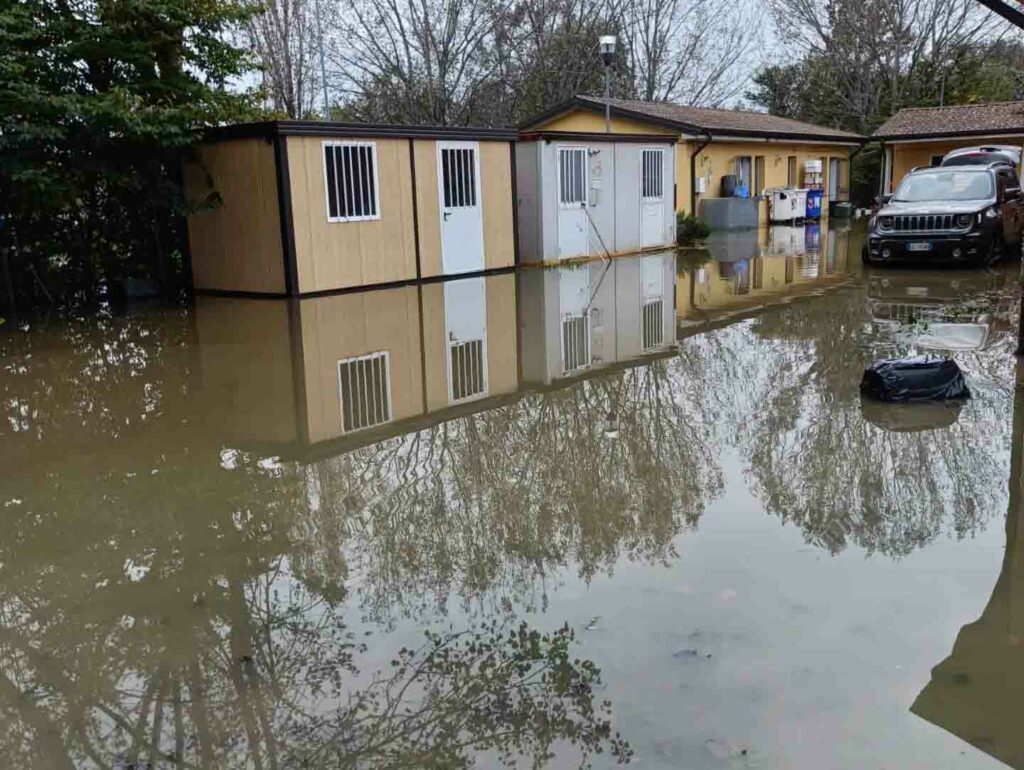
(814, 204)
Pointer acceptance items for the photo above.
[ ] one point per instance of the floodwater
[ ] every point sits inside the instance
(628, 512)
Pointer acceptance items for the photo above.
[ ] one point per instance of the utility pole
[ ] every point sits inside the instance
(607, 44)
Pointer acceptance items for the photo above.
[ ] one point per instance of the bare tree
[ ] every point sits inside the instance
(689, 52)
(286, 40)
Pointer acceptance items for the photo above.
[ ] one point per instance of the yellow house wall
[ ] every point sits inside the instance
(349, 325)
(912, 154)
(338, 255)
(590, 122)
(718, 160)
(495, 199)
(235, 246)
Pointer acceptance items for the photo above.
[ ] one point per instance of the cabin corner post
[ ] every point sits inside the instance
(284, 203)
(415, 210)
(515, 202)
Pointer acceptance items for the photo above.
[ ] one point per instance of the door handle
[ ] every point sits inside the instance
(446, 215)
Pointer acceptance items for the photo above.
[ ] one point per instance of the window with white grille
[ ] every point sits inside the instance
(350, 176)
(572, 176)
(458, 177)
(468, 376)
(653, 324)
(575, 342)
(364, 387)
(652, 175)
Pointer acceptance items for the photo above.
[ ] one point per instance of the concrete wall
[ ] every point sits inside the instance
(236, 244)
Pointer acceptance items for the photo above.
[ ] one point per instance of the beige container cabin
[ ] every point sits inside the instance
(296, 208)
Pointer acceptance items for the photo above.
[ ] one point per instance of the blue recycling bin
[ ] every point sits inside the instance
(814, 204)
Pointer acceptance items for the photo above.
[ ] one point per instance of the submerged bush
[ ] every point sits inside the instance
(690, 228)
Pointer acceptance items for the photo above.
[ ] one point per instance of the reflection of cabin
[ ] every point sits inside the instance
(297, 208)
(741, 270)
(577, 319)
(974, 693)
(359, 365)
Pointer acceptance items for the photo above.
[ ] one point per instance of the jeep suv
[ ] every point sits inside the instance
(960, 214)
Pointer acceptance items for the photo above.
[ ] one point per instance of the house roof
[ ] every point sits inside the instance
(703, 120)
(962, 120)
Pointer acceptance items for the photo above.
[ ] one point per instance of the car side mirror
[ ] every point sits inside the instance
(1012, 193)
(884, 199)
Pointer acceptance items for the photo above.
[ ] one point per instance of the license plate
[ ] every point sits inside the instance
(919, 247)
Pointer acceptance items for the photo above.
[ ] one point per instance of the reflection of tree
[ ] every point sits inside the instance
(142, 626)
(817, 462)
(493, 501)
(154, 605)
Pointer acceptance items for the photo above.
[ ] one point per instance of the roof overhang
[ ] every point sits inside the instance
(329, 129)
(940, 136)
(687, 130)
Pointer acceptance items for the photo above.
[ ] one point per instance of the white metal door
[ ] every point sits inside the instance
(462, 222)
(652, 198)
(465, 313)
(653, 302)
(574, 314)
(573, 228)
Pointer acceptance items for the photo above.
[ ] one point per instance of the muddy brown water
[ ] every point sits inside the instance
(629, 512)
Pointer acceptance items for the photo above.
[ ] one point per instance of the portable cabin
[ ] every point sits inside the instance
(298, 207)
(921, 136)
(758, 151)
(308, 376)
(578, 319)
(583, 195)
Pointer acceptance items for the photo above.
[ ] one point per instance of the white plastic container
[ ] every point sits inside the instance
(784, 204)
(789, 204)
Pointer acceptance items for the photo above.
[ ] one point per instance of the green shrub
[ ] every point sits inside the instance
(690, 228)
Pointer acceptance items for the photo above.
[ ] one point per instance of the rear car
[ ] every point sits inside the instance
(983, 155)
(967, 214)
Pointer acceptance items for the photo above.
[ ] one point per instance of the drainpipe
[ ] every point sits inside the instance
(693, 171)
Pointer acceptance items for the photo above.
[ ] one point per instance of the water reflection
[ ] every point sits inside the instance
(334, 532)
(740, 271)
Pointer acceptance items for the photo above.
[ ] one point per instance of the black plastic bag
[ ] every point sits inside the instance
(914, 379)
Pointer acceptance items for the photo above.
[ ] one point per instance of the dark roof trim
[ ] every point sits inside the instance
(690, 128)
(982, 132)
(327, 129)
(584, 136)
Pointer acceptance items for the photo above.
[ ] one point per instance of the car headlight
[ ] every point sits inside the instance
(964, 220)
(885, 223)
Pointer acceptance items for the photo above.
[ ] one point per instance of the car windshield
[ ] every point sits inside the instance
(945, 186)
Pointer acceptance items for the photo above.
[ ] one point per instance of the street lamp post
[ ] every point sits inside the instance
(607, 43)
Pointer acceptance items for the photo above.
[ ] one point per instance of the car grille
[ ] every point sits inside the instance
(924, 222)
